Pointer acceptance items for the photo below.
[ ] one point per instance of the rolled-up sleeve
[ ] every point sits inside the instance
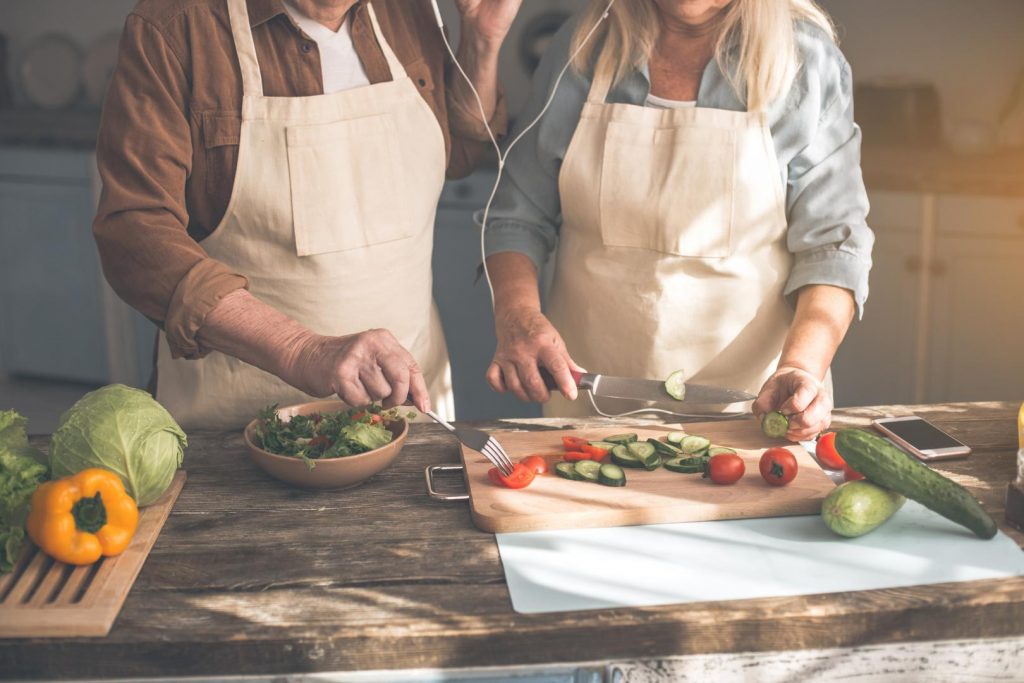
(526, 214)
(144, 155)
(827, 203)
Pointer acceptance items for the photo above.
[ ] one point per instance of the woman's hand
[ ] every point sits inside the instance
(527, 341)
(800, 396)
(360, 368)
(489, 20)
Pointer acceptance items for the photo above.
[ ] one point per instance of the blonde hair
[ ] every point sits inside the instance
(762, 29)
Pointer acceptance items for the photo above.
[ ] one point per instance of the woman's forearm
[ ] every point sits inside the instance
(823, 316)
(514, 278)
(478, 55)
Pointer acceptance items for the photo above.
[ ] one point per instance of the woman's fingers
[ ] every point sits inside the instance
(802, 393)
(813, 421)
(558, 366)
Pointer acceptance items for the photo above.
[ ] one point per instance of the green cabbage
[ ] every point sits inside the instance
(123, 430)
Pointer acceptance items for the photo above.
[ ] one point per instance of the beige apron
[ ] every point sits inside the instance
(680, 260)
(332, 219)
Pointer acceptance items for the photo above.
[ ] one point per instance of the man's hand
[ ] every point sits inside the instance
(527, 341)
(361, 369)
(489, 20)
(800, 396)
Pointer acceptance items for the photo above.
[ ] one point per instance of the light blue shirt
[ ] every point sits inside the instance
(816, 141)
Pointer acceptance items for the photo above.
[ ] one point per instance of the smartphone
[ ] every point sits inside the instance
(921, 438)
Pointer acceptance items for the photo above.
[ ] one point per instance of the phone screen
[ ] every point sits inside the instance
(921, 434)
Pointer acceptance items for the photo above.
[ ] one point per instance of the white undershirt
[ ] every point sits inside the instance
(339, 62)
(661, 103)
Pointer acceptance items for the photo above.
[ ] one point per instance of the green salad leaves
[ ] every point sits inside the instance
(318, 437)
(21, 473)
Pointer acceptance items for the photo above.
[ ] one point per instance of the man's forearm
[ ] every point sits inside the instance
(823, 316)
(514, 278)
(244, 327)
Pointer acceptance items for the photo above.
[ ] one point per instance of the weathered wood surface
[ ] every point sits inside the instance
(252, 577)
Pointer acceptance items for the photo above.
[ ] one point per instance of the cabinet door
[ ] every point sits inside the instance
(468, 320)
(875, 364)
(977, 320)
(51, 321)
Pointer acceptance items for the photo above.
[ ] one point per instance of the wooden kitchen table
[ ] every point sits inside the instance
(253, 577)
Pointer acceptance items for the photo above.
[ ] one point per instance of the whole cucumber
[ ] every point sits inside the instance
(885, 464)
(857, 507)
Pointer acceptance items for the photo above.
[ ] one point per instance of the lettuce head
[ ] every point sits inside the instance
(123, 430)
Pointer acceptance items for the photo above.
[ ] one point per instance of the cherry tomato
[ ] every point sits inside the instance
(374, 418)
(574, 443)
(778, 466)
(594, 452)
(726, 468)
(827, 454)
(521, 476)
(850, 474)
(573, 456)
(536, 463)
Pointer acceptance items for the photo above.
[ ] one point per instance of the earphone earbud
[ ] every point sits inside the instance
(437, 14)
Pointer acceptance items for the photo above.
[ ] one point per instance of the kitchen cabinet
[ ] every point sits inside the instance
(945, 305)
(58, 317)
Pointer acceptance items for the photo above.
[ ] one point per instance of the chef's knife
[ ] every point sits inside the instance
(650, 390)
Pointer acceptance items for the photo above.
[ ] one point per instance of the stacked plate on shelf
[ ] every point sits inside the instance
(53, 70)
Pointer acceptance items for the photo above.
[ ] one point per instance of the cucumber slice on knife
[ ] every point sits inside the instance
(588, 469)
(775, 425)
(611, 475)
(675, 385)
(621, 438)
(694, 444)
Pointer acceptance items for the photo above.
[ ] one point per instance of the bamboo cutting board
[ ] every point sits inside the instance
(44, 598)
(658, 497)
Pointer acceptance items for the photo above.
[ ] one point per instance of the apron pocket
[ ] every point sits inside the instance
(668, 190)
(347, 187)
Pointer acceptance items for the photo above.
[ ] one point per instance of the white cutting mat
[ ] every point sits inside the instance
(581, 569)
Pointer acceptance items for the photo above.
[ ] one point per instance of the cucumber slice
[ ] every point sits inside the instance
(686, 465)
(675, 437)
(775, 425)
(720, 450)
(694, 444)
(567, 470)
(665, 449)
(611, 475)
(622, 457)
(621, 438)
(641, 449)
(675, 385)
(587, 469)
(606, 445)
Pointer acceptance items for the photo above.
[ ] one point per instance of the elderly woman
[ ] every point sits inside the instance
(699, 174)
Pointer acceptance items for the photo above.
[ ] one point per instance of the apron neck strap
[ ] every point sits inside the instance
(600, 88)
(397, 70)
(252, 81)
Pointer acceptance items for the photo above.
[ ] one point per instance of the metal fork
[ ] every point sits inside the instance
(479, 441)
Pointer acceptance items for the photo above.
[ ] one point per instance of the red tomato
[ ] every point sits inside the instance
(778, 466)
(726, 468)
(574, 443)
(573, 456)
(850, 474)
(521, 476)
(374, 418)
(594, 452)
(827, 454)
(536, 463)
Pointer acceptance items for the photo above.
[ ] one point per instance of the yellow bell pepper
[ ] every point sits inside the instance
(85, 516)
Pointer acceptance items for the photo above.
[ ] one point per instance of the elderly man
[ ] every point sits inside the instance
(271, 171)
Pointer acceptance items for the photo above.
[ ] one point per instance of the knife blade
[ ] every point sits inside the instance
(650, 390)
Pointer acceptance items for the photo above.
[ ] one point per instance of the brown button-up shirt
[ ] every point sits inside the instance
(168, 142)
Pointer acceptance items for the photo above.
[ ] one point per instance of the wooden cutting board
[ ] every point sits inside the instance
(658, 497)
(44, 598)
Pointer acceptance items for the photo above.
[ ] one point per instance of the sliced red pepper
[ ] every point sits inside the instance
(574, 443)
(595, 452)
(575, 456)
(521, 476)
